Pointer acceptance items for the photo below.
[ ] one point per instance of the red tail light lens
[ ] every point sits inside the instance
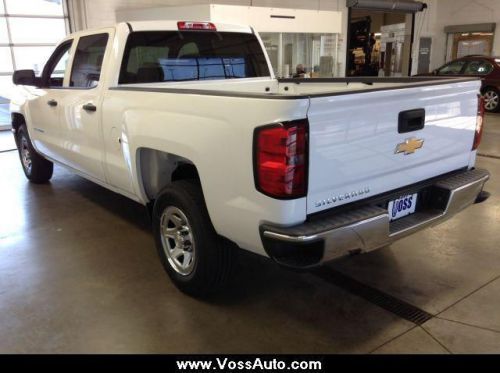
(479, 123)
(189, 25)
(280, 156)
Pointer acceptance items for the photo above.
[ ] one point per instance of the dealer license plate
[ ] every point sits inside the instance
(403, 206)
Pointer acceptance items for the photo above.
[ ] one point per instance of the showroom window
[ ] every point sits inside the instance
(318, 54)
(29, 30)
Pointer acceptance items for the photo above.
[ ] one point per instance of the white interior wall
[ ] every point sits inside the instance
(427, 25)
(96, 13)
(260, 18)
(430, 23)
(442, 13)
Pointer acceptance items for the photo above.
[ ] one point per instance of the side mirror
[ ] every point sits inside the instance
(24, 77)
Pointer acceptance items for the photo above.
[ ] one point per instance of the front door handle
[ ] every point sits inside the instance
(52, 103)
(89, 107)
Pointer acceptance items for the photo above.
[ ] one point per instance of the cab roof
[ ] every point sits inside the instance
(160, 26)
(172, 26)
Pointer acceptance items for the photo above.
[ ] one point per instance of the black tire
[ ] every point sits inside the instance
(210, 261)
(491, 100)
(36, 168)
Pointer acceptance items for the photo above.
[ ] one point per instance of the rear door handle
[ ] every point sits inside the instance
(89, 107)
(52, 103)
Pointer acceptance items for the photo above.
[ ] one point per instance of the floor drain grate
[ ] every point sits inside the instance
(488, 155)
(375, 296)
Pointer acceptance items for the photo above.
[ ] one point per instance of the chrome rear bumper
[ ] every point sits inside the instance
(368, 227)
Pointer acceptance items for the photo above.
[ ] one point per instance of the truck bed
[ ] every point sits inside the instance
(353, 128)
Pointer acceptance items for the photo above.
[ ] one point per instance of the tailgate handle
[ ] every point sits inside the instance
(411, 120)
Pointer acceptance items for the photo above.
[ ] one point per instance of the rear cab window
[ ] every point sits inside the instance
(173, 56)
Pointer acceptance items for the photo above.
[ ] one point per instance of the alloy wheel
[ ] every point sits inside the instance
(25, 154)
(491, 100)
(177, 240)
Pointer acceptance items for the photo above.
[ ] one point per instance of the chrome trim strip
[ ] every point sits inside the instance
(287, 238)
(298, 239)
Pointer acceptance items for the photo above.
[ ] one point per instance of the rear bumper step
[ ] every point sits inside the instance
(367, 228)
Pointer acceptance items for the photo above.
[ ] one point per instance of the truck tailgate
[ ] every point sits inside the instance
(354, 136)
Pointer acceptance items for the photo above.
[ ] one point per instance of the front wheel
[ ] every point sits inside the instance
(197, 260)
(492, 100)
(36, 168)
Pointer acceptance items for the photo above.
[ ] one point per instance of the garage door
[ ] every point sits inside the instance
(29, 30)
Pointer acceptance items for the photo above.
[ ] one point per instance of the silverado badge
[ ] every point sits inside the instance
(409, 146)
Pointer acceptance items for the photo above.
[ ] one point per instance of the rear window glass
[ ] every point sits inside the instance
(478, 68)
(168, 56)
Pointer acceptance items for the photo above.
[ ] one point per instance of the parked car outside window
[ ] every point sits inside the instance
(484, 67)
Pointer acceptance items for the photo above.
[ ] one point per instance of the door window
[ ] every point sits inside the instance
(88, 59)
(478, 68)
(60, 68)
(453, 68)
(53, 74)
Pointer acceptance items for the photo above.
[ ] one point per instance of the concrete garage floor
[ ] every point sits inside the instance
(79, 273)
(6, 141)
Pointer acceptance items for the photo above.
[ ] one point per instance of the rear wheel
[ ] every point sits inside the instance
(492, 100)
(198, 261)
(36, 168)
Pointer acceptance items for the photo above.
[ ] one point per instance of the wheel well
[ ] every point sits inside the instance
(17, 121)
(185, 171)
(158, 169)
(483, 90)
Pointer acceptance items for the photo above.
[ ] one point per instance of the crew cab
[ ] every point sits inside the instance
(188, 119)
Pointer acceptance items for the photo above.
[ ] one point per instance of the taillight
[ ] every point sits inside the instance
(189, 25)
(479, 122)
(280, 159)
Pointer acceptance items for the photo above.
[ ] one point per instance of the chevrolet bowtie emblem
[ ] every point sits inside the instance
(409, 146)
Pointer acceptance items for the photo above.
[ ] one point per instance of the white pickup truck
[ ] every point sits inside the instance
(188, 119)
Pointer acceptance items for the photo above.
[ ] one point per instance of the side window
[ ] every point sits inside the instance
(87, 63)
(53, 74)
(60, 68)
(453, 68)
(478, 68)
